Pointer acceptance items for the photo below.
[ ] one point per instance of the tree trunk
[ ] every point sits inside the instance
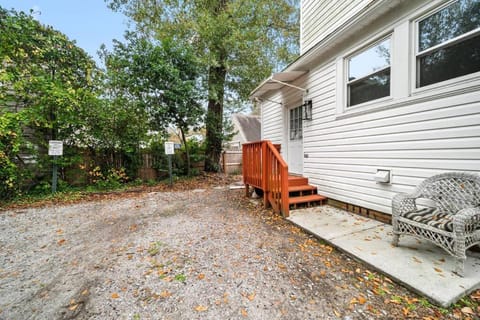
(214, 121)
(187, 151)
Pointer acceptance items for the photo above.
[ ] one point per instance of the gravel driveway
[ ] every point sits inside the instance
(199, 254)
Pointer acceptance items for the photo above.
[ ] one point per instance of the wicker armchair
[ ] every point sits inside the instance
(454, 221)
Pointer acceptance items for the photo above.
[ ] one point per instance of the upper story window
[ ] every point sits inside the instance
(369, 74)
(448, 43)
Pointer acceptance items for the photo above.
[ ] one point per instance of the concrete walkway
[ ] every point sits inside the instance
(419, 265)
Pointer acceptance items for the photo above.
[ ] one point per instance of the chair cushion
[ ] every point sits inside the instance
(432, 217)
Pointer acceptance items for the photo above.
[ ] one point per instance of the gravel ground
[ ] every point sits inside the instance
(199, 254)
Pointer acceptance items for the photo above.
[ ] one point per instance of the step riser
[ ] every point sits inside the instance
(307, 192)
(297, 182)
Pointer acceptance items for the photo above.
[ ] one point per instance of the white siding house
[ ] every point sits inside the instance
(394, 85)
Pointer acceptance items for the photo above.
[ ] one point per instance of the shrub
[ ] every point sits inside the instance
(11, 140)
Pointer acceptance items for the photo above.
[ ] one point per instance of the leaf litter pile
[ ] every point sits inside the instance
(203, 253)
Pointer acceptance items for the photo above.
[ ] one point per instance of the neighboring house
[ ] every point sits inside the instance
(246, 128)
(394, 85)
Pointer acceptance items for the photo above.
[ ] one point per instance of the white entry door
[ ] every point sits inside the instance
(295, 141)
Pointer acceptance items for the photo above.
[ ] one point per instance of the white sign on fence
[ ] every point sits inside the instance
(55, 147)
(169, 148)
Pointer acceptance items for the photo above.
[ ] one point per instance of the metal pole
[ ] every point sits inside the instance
(54, 175)
(170, 169)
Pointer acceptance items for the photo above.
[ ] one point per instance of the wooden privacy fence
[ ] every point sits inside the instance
(264, 168)
(231, 161)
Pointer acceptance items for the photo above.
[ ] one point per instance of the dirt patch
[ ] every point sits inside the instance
(200, 254)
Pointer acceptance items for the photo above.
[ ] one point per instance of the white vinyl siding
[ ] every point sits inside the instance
(415, 141)
(272, 120)
(320, 18)
(417, 133)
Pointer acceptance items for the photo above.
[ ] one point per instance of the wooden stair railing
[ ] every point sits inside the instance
(265, 169)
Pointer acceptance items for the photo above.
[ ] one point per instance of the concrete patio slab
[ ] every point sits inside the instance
(419, 265)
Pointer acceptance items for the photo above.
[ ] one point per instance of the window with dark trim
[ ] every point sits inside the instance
(448, 43)
(369, 74)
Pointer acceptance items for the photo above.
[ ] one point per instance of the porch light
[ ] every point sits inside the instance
(307, 110)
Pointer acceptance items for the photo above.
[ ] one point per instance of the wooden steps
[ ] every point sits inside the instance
(306, 199)
(302, 194)
(297, 181)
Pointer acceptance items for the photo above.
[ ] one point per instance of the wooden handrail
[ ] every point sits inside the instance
(264, 168)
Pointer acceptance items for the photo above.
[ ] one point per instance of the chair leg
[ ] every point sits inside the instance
(460, 267)
(396, 238)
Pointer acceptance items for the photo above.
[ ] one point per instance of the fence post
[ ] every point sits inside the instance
(224, 163)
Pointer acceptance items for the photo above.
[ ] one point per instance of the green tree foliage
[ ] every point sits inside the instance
(47, 76)
(11, 141)
(240, 42)
(160, 80)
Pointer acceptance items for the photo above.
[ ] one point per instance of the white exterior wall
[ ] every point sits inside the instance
(415, 134)
(272, 120)
(415, 141)
(320, 18)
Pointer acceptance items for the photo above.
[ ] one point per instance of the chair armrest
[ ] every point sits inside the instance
(467, 219)
(402, 203)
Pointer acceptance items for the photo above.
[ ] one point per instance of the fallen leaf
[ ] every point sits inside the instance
(244, 312)
(85, 292)
(362, 300)
(59, 231)
(73, 307)
(201, 276)
(61, 241)
(115, 295)
(251, 296)
(476, 295)
(405, 311)
(201, 308)
(338, 314)
(438, 270)
(416, 260)
(467, 310)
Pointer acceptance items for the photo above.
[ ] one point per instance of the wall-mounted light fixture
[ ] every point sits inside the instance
(307, 110)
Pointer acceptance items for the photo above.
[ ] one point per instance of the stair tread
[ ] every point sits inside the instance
(303, 199)
(303, 187)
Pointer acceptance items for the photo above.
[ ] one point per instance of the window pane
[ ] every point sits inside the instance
(370, 60)
(373, 87)
(456, 19)
(296, 123)
(450, 62)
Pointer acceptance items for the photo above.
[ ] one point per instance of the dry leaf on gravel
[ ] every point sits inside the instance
(362, 300)
(115, 295)
(244, 312)
(201, 308)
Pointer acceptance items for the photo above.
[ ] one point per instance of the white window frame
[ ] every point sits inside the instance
(450, 86)
(297, 122)
(343, 71)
